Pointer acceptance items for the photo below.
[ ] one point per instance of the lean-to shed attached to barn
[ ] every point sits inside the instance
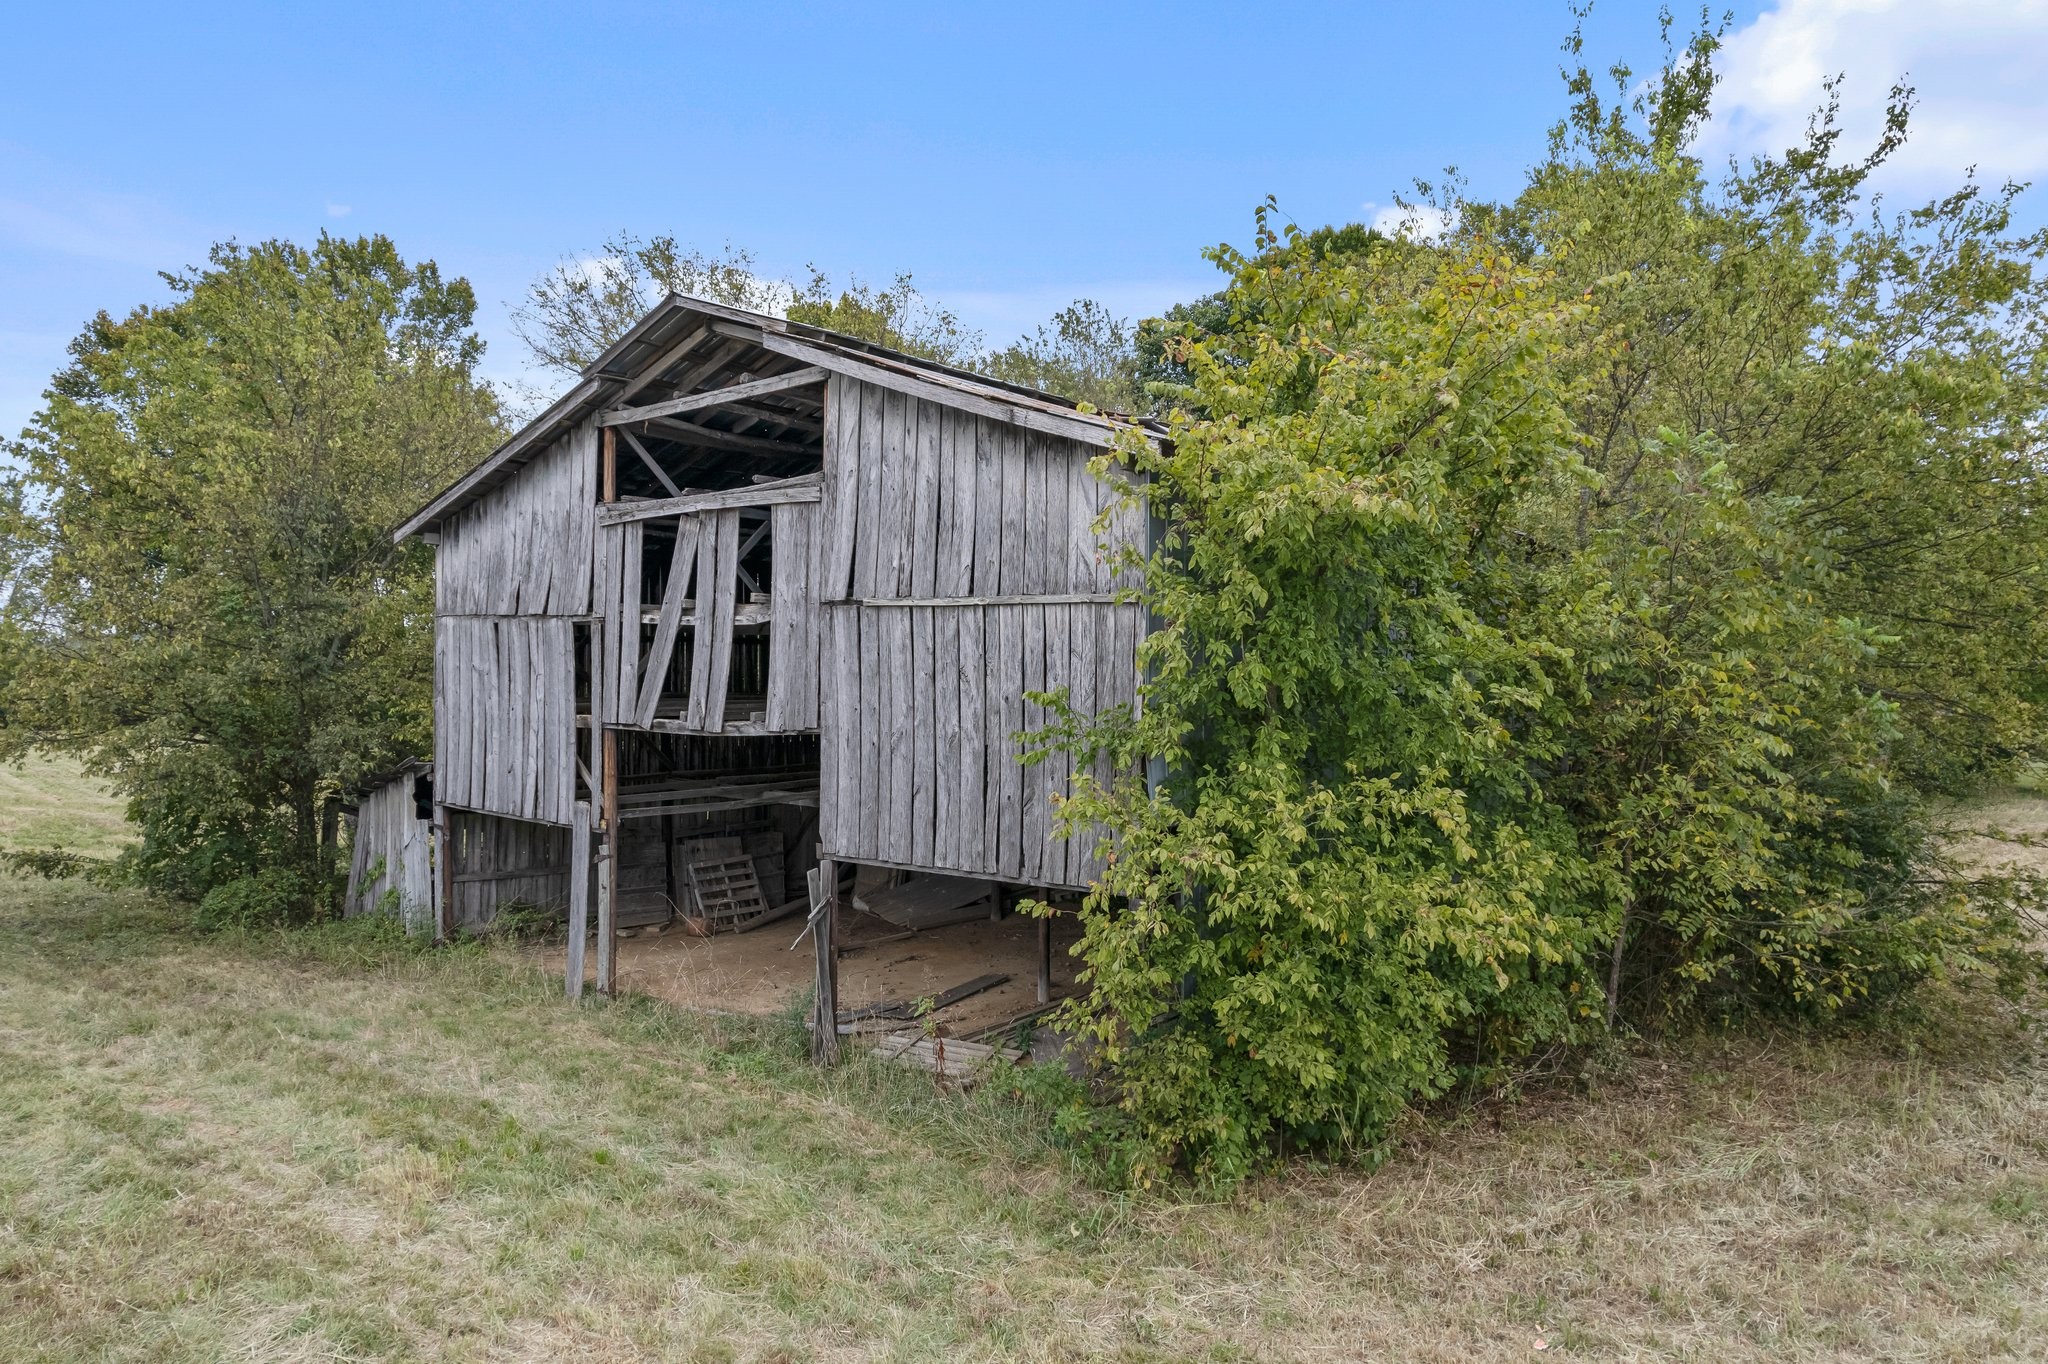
(756, 600)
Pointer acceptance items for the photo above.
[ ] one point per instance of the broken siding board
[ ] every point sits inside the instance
(1036, 822)
(927, 419)
(867, 546)
(970, 762)
(886, 543)
(899, 676)
(948, 579)
(1058, 660)
(1007, 707)
(1081, 864)
(946, 736)
(717, 591)
(626, 683)
(922, 736)
(682, 560)
(812, 703)
(1080, 574)
(1011, 501)
(872, 715)
(988, 510)
(794, 625)
(842, 488)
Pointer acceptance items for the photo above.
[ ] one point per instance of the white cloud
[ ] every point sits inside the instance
(339, 210)
(1976, 65)
(1419, 221)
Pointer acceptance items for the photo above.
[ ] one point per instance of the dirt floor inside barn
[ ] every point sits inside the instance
(762, 975)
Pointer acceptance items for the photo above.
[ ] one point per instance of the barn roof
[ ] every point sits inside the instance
(690, 345)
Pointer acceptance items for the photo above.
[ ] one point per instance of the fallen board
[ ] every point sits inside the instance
(907, 1008)
(954, 1058)
(927, 901)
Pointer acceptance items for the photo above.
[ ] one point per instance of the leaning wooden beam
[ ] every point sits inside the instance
(653, 467)
(717, 397)
(802, 488)
(655, 670)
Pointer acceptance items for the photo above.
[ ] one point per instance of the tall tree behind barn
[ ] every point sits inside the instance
(755, 588)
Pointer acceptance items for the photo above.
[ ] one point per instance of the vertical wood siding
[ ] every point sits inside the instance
(920, 705)
(523, 549)
(390, 855)
(505, 716)
(793, 630)
(497, 862)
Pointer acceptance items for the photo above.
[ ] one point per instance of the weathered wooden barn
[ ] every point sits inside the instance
(755, 591)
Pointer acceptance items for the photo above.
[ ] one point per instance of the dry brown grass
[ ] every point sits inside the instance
(2005, 831)
(318, 1147)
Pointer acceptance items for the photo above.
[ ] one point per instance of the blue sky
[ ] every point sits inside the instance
(1012, 157)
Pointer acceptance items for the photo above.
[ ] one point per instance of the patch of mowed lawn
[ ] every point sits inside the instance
(46, 802)
(325, 1146)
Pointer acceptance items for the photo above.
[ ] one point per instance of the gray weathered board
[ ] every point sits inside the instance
(523, 548)
(391, 857)
(505, 716)
(928, 901)
(963, 568)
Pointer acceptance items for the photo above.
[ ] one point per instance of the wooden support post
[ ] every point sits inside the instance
(579, 897)
(608, 872)
(825, 937)
(1045, 959)
(607, 750)
(444, 921)
(670, 887)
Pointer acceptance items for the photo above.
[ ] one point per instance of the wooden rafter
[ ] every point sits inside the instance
(653, 372)
(720, 397)
(689, 433)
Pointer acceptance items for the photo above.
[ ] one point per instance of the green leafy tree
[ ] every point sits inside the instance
(573, 313)
(1352, 869)
(213, 614)
(1086, 353)
(896, 316)
(1559, 625)
(1883, 370)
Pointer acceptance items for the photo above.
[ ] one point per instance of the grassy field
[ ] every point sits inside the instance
(45, 803)
(319, 1147)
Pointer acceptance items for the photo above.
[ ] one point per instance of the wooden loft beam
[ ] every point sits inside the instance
(718, 397)
(802, 488)
(788, 421)
(689, 433)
